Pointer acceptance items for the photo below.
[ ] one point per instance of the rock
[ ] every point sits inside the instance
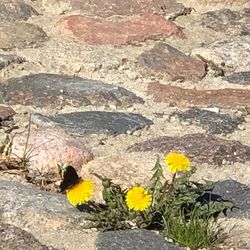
(228, 21)
(224, 2)
(200, 148)
(167, 60)
(48, 216)
(236, 192)
(94, 122)
(15, 10)
(133, 240)
(114, 167)
(106, 8)
(212, 122)
(184, 98)
(137, 29)
(41, 90)
(20, 35)
(231, 54)
(6, 60)
(47, 148)
(239, 78)
(15, 238)
(6, 113)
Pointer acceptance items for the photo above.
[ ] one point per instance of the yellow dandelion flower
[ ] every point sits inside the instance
(137, 198)
(80, 193)
(177, 162)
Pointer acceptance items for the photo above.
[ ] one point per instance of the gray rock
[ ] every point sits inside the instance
(236, 192)
(239, 78)
(20, 35)
(212, 122)
(165, 59)
(232, 55)
(15, 10)
(6, 60)
(15, 238)
(228, 21)
(94, 122)
(133, 240)
(201, 148)
(106, 8)
(48, 216)
(41, 90)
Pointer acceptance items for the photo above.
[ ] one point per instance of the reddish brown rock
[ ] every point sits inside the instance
(97, 31)
(47, 148)
(106, 8)
(183, 98)
(167, 60)
(6, 113)
(201, 148)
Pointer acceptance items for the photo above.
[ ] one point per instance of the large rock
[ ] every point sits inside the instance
(201, 148)
(230, 54)
(94, 122)
(180, 97)
(15, 238)
(20, 35)
(228, 21)
(236, 192)
(215, 123)
(239, 78)
(133, 240)
(41, 90)
(6, 60)
(136, 29)
(15, 10)
(167, 60)
(47, 216)
(46, 148)
(106, 8)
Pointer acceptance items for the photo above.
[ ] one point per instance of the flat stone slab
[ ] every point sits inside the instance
(167, 60)
(94, 122)
(199, 147)
(106, 8)
(133, 240)
(239, 78)
(184, 98)
(233, 55)
(20, 35)
(48, 216)
(236, 192)
(137, 29)
(235, 23)
(13, 237)
(15, 10)
(41, 90)
(6, 60)
(212, 122)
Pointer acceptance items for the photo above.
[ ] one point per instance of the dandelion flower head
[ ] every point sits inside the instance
(177, 162)
(138, 199)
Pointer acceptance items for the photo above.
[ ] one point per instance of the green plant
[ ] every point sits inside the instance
(183, 210)
(197, 232)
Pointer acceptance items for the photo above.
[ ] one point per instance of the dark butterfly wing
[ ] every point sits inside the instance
(70, 178)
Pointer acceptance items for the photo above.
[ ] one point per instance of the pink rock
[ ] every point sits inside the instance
(49, 148)
(99, 31)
